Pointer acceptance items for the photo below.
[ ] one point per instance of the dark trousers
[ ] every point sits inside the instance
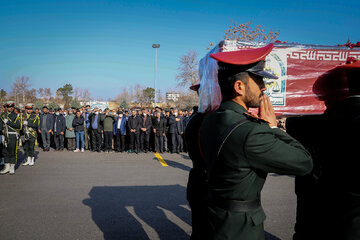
(29, 147)
(169, 141)
(173, 137)
(96, 140)
(108, 135)
(119, 142)
(144, 141)
(59, 141)
(159, 146)
(196, 194)
(176, 142)
(10, 152)
(180, 146)
(165, 143)
(134, 137)
(71, 143)
(45, 136)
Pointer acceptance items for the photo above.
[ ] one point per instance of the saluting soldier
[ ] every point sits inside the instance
(31, 123)
(240, 149)
(10, 124)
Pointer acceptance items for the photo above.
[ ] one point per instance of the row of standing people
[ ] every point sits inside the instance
(96, 130)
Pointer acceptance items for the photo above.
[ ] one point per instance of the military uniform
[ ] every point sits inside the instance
(240, 149)
(30, 136)
(239, 172)
(10, 151)
(329, 198)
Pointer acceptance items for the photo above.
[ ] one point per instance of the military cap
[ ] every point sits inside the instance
(247, 60)
(9, 104)
(29, 106)
(195, 87)
(338, 82)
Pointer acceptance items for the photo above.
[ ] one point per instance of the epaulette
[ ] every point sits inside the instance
(254, 118)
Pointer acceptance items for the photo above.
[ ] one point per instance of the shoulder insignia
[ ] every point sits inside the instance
(254, 118)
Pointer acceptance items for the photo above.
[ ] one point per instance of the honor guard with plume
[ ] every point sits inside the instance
(30, 126)
(10, 125)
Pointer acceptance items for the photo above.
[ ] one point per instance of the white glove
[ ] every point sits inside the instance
(25, 122)
(6, 120)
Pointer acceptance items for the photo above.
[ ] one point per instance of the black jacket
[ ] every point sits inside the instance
(159, 126)
(59, 124)
(179, 125)
(78, 123)
(146, 123)
(92, 117)
(134, 123)
(171, 122)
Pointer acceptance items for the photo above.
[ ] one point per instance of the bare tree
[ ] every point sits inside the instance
(19, 87)
(77, 93)
(246, 32)
(2, 96)
(86, 96)
(125, 95)
(159, 96)
(31, 95)
(187, 101)
(188, 69)
(41, 93)
(138, 94)
(47, 93)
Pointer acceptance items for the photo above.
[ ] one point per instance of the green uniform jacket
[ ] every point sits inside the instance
(14, 122)
(249, 153)
(69, 119)
(33, 123)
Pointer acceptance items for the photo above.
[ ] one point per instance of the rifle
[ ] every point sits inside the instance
(26, 132)
(6, 131)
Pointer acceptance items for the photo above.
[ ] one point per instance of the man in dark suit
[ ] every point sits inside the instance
(120, 132)
(145, 128)
(179, 132)
(172, 132)
(46, 127)
(134, 128)
(59, 130)
(159, 131)
(96, 130)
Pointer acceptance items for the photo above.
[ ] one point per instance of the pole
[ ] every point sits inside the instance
(156, 46)
(155, 75)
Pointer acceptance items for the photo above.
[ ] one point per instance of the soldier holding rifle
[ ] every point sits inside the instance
(30, 125)
(10, 124)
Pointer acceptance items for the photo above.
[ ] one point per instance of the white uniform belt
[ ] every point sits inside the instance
(13, 133)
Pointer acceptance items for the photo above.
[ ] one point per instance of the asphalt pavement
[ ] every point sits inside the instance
(84, 196)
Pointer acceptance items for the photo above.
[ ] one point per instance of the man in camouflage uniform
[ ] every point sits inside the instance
(30, 125)
(10, 124)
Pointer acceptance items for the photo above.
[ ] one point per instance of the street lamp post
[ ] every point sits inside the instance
(156, 46)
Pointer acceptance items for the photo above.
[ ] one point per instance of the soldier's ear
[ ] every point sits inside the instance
(239, 87)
